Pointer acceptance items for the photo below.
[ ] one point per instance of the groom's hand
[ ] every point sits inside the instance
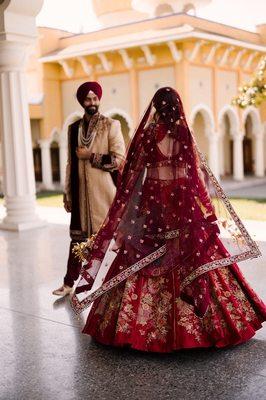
(83, 153)
(68, 206)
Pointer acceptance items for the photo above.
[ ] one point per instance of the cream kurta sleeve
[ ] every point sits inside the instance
(116, 150)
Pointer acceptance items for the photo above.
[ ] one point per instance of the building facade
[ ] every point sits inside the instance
(145, 45)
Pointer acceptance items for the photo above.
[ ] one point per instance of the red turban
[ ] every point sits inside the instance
(85, 88)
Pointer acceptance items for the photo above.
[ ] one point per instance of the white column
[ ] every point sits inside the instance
(63, 161)
(47, 179)
(259, 156)
(18, 32)
(214, 154)
(221, 149)
(238, 161)
(18, 171)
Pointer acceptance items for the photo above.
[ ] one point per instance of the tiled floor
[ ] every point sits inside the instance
(44, 356)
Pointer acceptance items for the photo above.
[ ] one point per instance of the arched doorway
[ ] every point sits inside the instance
(248, 147)
(55, 161)
(226, 147)
(36, 149)
(37, 160)
(124, 126)
(199, 130)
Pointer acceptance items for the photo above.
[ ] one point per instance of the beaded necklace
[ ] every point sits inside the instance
(85, 140)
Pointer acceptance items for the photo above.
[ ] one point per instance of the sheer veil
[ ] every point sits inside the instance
(169, 213)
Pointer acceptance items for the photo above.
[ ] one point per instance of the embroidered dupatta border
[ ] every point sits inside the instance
(254, 252)
(79, 306)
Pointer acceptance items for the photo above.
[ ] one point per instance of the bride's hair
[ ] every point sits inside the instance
(167, 104)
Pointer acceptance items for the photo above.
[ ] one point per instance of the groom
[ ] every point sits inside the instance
(95, 149)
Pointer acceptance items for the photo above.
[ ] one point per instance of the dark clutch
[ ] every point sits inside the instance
(114, 176)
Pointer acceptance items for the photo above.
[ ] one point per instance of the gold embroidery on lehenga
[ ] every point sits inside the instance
(127, 314)
(109, 307)
(154, 310)
(188, 319)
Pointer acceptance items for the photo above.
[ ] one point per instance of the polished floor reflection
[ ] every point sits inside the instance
(44, 355)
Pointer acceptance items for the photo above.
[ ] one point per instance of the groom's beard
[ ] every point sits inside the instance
(91, 110)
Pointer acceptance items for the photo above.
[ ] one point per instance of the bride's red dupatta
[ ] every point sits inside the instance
(169, 213)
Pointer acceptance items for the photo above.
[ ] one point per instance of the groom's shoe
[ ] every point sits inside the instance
(63, 291)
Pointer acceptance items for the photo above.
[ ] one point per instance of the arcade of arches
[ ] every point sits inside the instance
(239, 154)
(50, 155)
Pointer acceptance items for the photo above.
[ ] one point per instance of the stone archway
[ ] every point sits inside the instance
(36, 149)
(37, 161)
(124, 126)
(253, 154)
(55, 161)
(226, 148)
(125, 121)
(199, 129)
(228, 130)
(202, 123)
(248, 147)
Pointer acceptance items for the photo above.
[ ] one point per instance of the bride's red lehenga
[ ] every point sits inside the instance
(168, 248)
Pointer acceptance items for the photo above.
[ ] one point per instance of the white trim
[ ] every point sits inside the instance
(192, 54)
(128, 62)
(156, 38)
(86, 66)
(71, 118)
(109, 113)
(68, 121)
(69, 72)
(106, 64)
(175, 52)
(54, 136)
(223, 60)
(209, 57)
(257, 139)
(150, 58)
(208, 118)
(232, 114)
(250, 59)
(257, 128)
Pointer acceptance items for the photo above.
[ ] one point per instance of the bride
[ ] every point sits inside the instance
(168, 248)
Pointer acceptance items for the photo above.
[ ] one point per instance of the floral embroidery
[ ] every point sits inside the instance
(154, 313)
(144, 308)
(188, 320)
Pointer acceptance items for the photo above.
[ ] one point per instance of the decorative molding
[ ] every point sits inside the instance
(128, 62)
(191, 55)
(250, 59)
(67, 69)
(223, 60)
(259, 61)
(150, 58)
(123, 114)
(87, 68)
(207, 116)
(176, 53)
(107, 65)
(232, 114)
(239, 55)
(210, 56)
(257, 127)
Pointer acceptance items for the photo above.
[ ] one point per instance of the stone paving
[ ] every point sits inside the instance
(44, 355)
